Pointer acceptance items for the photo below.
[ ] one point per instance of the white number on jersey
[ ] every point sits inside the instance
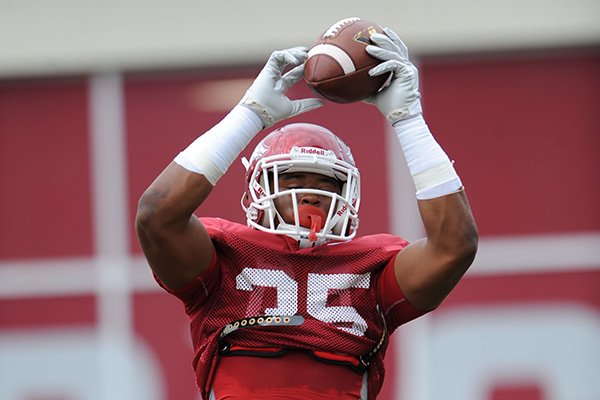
(318, 287)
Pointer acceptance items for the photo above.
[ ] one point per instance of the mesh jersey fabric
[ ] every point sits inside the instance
(336, 287)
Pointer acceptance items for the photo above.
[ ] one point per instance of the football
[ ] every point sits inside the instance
(337, 67)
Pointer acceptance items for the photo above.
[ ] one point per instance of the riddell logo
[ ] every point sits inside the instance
(312, 150)
(259, 189)
(342, 210)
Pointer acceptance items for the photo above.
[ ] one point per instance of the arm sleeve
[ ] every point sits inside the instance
(196, 293)
(396, 308)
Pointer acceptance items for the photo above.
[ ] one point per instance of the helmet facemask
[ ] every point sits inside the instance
(310, 226)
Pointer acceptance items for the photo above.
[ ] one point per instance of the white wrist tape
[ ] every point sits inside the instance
(213, 152)
(431, 169)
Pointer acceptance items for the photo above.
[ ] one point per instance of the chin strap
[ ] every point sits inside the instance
(302, 235)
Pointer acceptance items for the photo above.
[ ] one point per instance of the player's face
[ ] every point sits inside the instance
(305, 180)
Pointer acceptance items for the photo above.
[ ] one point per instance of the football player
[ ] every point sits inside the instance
(294, 304)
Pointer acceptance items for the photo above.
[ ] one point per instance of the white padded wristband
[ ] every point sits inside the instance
(431, 169)
(213, 152)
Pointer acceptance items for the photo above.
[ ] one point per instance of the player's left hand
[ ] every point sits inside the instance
(401, 98)
(266, 96)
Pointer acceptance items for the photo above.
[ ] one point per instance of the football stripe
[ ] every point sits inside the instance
(339, 55)
(333, 30)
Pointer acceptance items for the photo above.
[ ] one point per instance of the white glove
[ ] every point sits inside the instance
(267, 97)
(401, 99)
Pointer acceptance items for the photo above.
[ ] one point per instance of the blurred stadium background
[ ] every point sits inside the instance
(96, 97)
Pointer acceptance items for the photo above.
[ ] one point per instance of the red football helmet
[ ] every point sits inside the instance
(302, 148)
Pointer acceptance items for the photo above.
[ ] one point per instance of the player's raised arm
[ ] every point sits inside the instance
(174, 241)
(428, 269)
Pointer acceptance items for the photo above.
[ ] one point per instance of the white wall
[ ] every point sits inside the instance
(41, 37)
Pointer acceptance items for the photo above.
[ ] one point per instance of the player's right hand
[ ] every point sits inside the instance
(266, 96)
(401, 98)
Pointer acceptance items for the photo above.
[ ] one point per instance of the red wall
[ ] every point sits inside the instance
(44, 169)
(522, 129)
(524, 136)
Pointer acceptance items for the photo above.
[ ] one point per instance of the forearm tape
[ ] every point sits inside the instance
(213, 152)
(431, 169)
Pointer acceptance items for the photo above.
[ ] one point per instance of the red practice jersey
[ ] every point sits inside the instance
(337, 290)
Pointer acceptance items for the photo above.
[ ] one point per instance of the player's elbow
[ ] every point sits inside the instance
(151, 212)
(145, 215)
(470, 247)
(465, 247)
(458, 248)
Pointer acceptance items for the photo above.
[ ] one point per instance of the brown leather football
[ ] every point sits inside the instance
(338, 65)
